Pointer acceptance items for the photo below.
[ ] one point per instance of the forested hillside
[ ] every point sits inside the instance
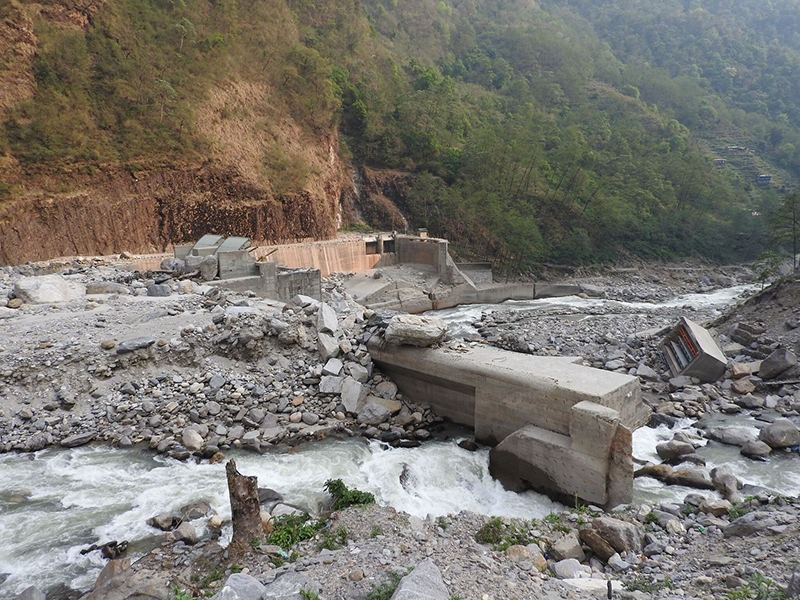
(569, 131)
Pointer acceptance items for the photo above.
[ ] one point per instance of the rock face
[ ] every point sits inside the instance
(415, 330)
(47, 289)
(423, 583)
(780, 434)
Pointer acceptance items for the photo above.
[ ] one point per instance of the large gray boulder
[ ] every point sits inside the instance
(776, 363)
(373, 414)
(621, 535)
(327, 345)
(327, 322)
(47, 289)
(415, 330)
(726, 483)
(209, 267)
(734, 436)
(780, 434)
(423, 583)
(673, 449)
(289, 586)
(240, 587)
(751, 523)
(353, 394)
(173, 265)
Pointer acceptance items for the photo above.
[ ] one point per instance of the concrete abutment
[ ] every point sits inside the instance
(556, 426)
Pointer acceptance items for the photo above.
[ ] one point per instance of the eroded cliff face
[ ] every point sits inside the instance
(381, 194)
(149, 212)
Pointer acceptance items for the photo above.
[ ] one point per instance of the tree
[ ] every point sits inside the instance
(786, 224)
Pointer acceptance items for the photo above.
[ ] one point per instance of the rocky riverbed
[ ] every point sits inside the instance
(196, 371)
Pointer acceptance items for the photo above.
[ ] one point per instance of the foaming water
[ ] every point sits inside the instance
(776, 474)
(56, 502)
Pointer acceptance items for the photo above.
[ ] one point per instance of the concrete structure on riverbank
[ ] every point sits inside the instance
(282, 271)
(556, 426)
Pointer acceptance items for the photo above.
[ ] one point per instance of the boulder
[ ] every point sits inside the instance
(568, 568)
(329, 384)
(136, 343)
(776, 363)
(288, 587)
(196, 510)
(620, 535)
(423, 583)
(743, 386)
(107, 287)
(209, 267)
(327, 322)
(415, 330)
(239, 586)
(158, 290)
(191, 439)
(173, 265)
(353, 394)
(185, 533)
(595, 541)
(373, 414)
(328, 346)
(47, 289)
(80, 439)
(734, 436)
(690, 478)
(567, 546)
(755, 449)
(164, 521)
(752, 522)
(715, 507)
(726, 483)
(673, 449)
(780, 434)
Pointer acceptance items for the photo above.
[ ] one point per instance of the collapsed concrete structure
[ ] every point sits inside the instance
(239, 271)
(556, 426)
(282, 271)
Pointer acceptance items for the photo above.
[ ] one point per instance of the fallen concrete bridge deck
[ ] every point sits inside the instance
(557, 426)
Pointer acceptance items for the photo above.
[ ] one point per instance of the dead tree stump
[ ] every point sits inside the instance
(248, 533)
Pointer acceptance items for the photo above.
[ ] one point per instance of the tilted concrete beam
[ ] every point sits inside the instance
(566, 426)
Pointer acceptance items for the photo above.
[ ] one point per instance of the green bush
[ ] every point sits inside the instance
(344, 497)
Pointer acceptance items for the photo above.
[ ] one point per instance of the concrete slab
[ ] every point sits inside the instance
(563, 427)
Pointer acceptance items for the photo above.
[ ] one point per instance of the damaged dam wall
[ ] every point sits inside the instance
(556, 426)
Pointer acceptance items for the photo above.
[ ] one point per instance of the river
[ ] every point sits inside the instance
(55, 502)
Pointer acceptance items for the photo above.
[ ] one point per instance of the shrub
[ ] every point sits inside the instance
(344, 497)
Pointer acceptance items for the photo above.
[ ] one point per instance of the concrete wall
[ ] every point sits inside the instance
(527, 405)
(335, 256)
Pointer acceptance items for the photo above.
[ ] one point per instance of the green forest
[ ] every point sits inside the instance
(569, 131)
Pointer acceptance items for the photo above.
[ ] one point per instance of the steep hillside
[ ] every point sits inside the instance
(135, 124)
(521, 132)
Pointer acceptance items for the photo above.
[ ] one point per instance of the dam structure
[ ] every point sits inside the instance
(555, 425)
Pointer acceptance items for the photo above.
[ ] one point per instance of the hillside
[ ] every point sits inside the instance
(521, 132)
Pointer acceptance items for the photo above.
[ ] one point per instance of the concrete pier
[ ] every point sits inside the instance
(557, 426)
